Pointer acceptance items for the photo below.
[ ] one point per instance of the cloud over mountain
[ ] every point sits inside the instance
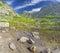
(34, 10)
(33, 2)
(22, 5)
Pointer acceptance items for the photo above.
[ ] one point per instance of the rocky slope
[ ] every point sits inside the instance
(10, 36)
(6, 10)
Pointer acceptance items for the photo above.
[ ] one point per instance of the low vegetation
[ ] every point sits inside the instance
(22, 22)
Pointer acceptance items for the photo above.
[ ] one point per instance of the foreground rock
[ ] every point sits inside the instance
(33, 48)
(31, 41)
(24, 39)
(12, 46)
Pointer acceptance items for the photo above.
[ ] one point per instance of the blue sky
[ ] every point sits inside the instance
(29, 5)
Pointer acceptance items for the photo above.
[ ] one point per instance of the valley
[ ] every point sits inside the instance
(14, 26)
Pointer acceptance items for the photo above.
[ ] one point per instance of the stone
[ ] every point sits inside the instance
(33, 48)
(35, 34)
(12, 46)
(24, 39)
(31, 41)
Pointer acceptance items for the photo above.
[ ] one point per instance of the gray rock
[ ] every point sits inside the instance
(24, 39)
(31, 41)
(12, 46)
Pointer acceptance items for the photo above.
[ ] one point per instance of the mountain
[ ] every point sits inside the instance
(51, 9)
(6, 10)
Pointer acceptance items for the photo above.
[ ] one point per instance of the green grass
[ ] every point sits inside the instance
(22, 22)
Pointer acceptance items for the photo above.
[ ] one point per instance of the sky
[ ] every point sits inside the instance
(29, 5)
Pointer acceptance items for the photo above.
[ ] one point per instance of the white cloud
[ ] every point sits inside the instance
(58, 0)
(33, 2)
(10, 2)
(19, 7)
(34, 10)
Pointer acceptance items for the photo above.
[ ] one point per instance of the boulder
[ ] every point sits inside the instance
(31, 41)
(33, 48)
(24, 39)
(34, 34)
(12, 46)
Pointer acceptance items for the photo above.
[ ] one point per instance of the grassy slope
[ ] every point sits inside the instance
(21, 22)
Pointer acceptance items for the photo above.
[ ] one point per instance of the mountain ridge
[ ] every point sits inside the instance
(51, 9)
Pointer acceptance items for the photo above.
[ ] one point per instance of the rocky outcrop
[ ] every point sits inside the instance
(6, 10)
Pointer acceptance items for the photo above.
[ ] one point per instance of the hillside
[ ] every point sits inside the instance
(52, 9)
(6, 10)
(47, 18)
